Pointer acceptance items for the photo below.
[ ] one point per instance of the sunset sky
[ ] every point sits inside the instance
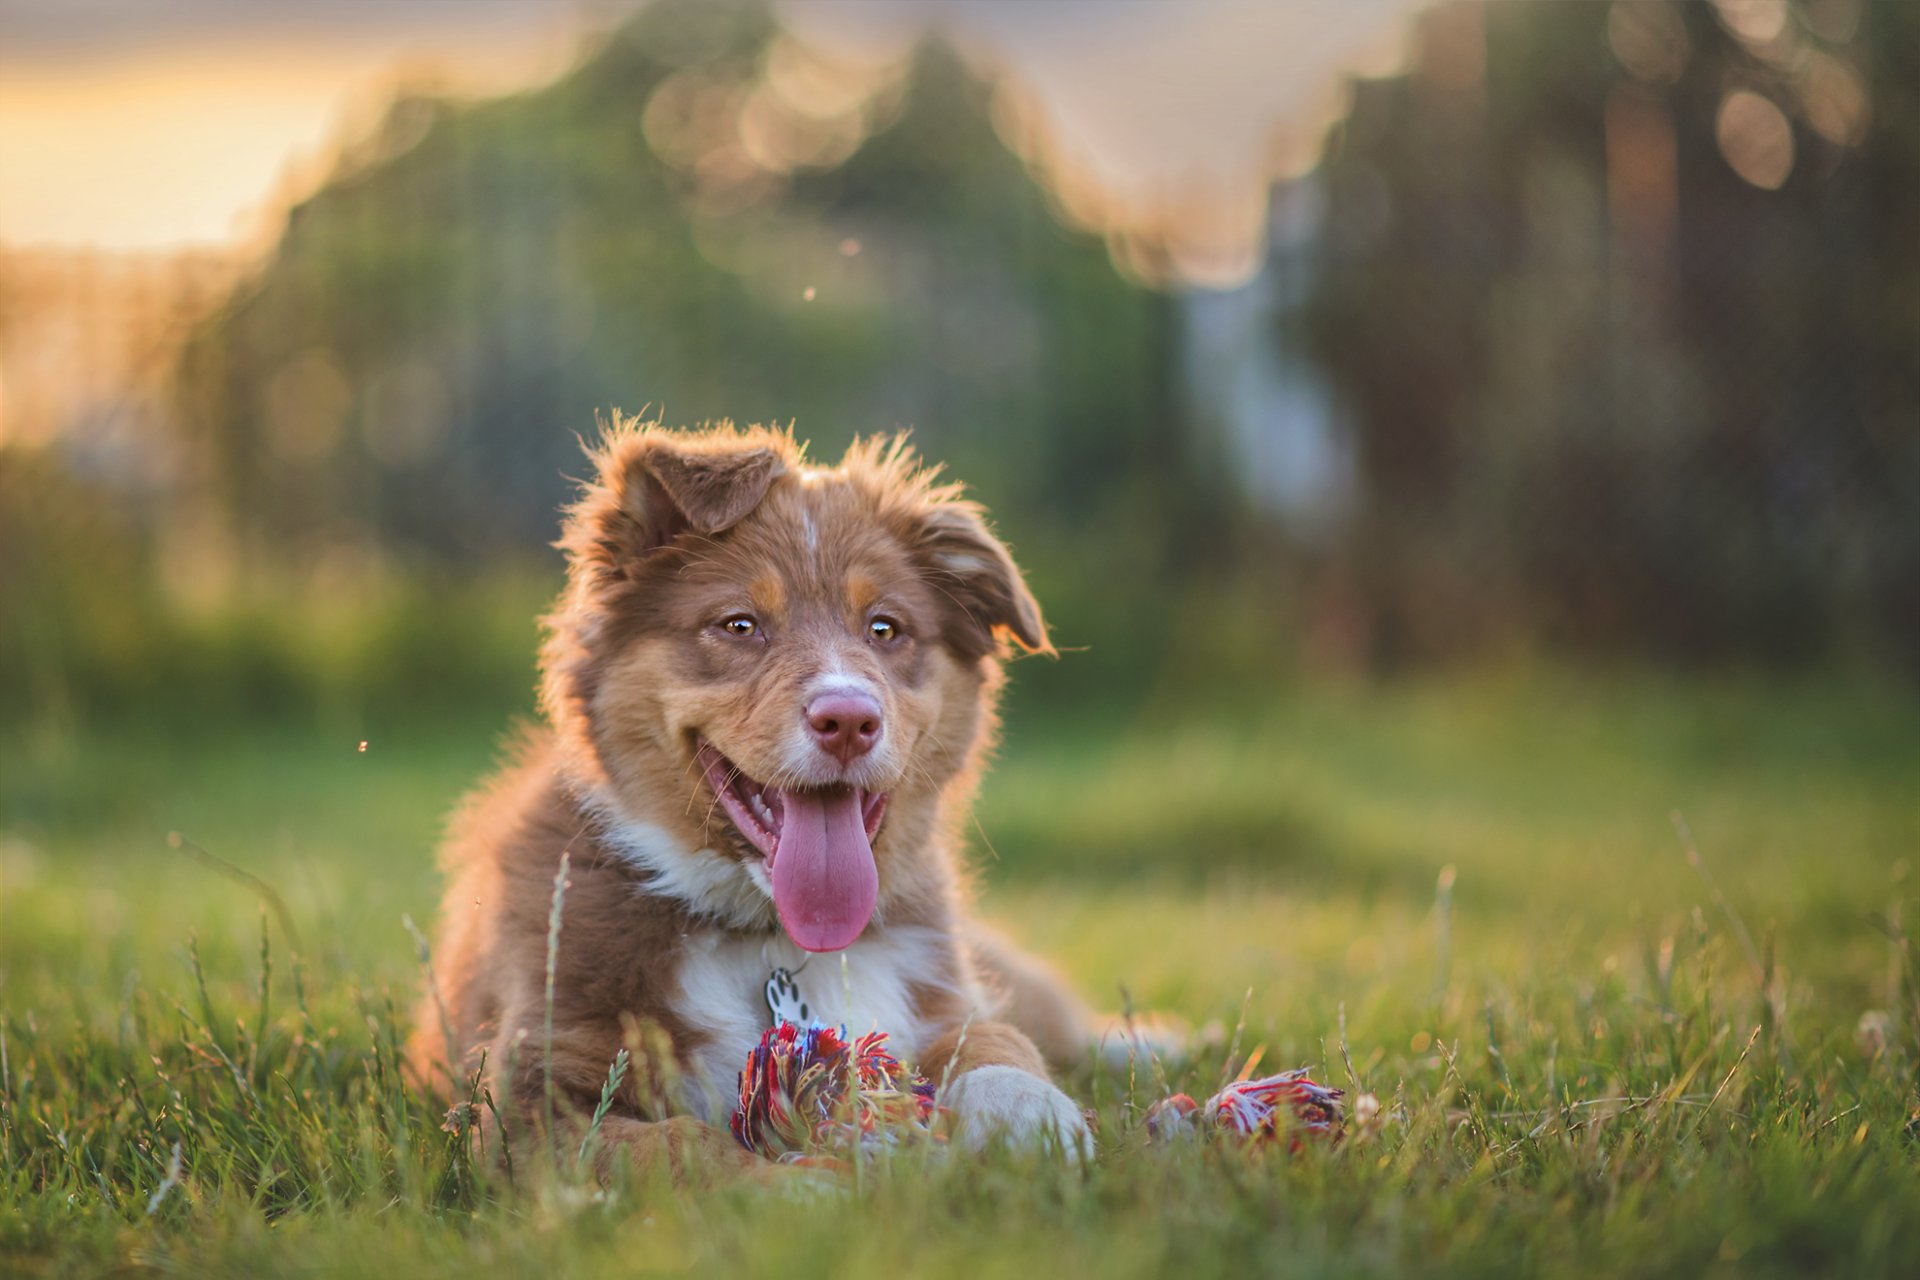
(135, 124)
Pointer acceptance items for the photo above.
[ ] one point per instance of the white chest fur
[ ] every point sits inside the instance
(867, 987)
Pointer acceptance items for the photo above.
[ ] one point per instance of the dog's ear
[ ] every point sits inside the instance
(652, 486)
(975, 573)
(711, 489)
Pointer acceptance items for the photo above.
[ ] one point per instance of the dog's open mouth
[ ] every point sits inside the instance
(818, 843)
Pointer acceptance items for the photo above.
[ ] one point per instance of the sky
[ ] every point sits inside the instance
(169, 124)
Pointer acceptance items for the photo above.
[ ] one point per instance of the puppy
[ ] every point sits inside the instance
(767, 690)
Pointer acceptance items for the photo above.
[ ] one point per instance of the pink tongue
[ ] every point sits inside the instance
(824, 880)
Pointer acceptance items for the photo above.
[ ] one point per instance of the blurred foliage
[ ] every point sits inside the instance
(1605, 393)
(94, 634)
(443, 321)
(1607, 389)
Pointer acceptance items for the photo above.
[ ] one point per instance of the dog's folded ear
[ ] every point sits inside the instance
(711, 489)
(975, 573)
(655, 485)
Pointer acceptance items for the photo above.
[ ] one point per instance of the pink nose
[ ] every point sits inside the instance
(845, 725)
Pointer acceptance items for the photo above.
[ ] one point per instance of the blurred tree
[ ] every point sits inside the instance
(1622, 303)
(703, 217)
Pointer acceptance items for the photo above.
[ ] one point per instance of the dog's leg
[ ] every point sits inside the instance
(1032, 997)
(994, 1081)
(680, 1149)
(1038, 1000)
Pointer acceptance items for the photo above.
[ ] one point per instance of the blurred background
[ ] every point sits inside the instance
(1309, 338)
(1443, 434)
(1469, 453)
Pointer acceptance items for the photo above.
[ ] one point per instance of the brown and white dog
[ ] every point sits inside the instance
(768, 689)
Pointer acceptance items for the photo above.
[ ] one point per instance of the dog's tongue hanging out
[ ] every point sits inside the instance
(818, 843)
(824, 881)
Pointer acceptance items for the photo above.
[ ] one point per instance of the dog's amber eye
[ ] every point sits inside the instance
(884, 629)
(740, 625)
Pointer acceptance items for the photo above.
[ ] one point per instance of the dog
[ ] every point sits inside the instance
(767, 689)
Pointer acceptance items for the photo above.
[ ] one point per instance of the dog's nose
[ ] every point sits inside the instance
(845, 725)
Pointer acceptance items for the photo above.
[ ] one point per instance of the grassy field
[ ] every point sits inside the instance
(1472, 899)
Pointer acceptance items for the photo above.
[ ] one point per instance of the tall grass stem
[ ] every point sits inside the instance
(553, 963)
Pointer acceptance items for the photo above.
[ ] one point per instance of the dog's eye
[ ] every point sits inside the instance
(884, 629)
(740, 625)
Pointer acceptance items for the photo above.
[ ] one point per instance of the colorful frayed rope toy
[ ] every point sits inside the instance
(808, 1089)
(795, 1105)
(1286, 1106)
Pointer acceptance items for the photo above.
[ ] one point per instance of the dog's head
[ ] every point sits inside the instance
(779, 675)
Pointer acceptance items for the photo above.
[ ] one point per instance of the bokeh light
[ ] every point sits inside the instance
(1834, 98)
(1756, 138)
(1648, 38)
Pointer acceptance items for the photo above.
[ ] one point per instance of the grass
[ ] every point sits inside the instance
(1594, 1061)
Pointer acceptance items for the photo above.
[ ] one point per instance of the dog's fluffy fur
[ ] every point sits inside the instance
(866, 576)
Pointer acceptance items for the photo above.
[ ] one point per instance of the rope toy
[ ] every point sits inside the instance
(795, 1101)
(808, 1091)
(1259, 1112)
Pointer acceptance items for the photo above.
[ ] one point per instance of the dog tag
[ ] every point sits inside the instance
(784, 1000)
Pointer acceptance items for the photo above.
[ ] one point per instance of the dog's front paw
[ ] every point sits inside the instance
(1018, 1107)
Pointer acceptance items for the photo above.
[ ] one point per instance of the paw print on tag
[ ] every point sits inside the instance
(784, 1000)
